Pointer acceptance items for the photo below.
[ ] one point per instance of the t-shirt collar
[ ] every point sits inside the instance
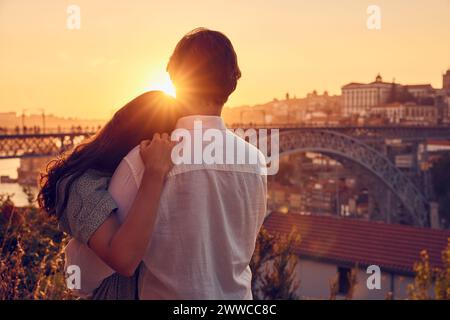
(207, 122)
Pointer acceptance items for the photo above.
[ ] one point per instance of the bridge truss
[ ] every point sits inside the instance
(334, 143)
(39, 145)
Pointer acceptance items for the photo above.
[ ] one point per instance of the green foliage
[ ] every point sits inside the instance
(273, 266)
(428, 278)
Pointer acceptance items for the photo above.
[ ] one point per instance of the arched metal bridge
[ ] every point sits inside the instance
(334, 143)
(352, 143)
(367, 133)
(48, 144)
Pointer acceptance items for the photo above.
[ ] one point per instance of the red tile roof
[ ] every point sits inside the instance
(393, 247)
(438, 142)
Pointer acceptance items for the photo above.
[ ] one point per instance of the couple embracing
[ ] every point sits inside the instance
(146, 226)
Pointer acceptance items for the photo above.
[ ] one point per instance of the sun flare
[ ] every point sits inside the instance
(163, 83)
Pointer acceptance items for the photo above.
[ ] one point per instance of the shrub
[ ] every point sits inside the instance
(428, 278)
(273, 266)
(31, 254)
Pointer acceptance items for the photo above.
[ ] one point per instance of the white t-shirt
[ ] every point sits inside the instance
(208, 218)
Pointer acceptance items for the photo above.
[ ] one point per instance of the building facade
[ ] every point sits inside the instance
(359, 98)
(419, 91)
(407, 113)
(446, 81)
(443, 97)
(331, 248)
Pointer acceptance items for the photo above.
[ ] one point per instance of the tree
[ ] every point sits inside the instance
(440, 173)
(428, 278)
(273, 266)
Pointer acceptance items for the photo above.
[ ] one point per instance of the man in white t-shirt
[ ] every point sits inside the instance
(214, 199)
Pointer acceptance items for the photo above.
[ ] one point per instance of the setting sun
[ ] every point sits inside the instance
(163, 83)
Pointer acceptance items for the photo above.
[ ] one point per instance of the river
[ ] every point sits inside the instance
(9, 167)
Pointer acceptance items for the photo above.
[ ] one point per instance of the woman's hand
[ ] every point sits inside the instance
(156, 154)
(122, 246)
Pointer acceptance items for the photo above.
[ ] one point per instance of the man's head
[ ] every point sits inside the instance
(204, 68)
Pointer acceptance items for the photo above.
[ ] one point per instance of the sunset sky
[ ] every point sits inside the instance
(283, 46)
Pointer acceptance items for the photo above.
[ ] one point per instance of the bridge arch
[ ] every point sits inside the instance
(334, 143)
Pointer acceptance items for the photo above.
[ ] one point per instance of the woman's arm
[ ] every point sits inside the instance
(122, 246)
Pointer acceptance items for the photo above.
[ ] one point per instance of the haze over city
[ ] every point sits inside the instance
(121, 50)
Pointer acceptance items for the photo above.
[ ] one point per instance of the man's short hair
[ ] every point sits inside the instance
(204, 66)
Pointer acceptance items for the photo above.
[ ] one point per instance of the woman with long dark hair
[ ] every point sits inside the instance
(74, 190)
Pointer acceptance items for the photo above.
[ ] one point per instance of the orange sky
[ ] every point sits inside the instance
(282, 45)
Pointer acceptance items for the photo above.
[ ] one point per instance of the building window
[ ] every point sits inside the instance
(344, 281)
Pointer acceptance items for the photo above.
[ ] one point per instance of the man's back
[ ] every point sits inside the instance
(208, 220)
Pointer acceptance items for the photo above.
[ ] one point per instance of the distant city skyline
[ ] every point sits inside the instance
(290, 46)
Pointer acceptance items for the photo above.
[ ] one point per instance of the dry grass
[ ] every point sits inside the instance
(31, 254)
(431, 283)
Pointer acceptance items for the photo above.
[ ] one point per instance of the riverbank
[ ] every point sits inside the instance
(9, 168)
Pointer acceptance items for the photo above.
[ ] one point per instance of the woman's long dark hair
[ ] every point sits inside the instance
(138, 120)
